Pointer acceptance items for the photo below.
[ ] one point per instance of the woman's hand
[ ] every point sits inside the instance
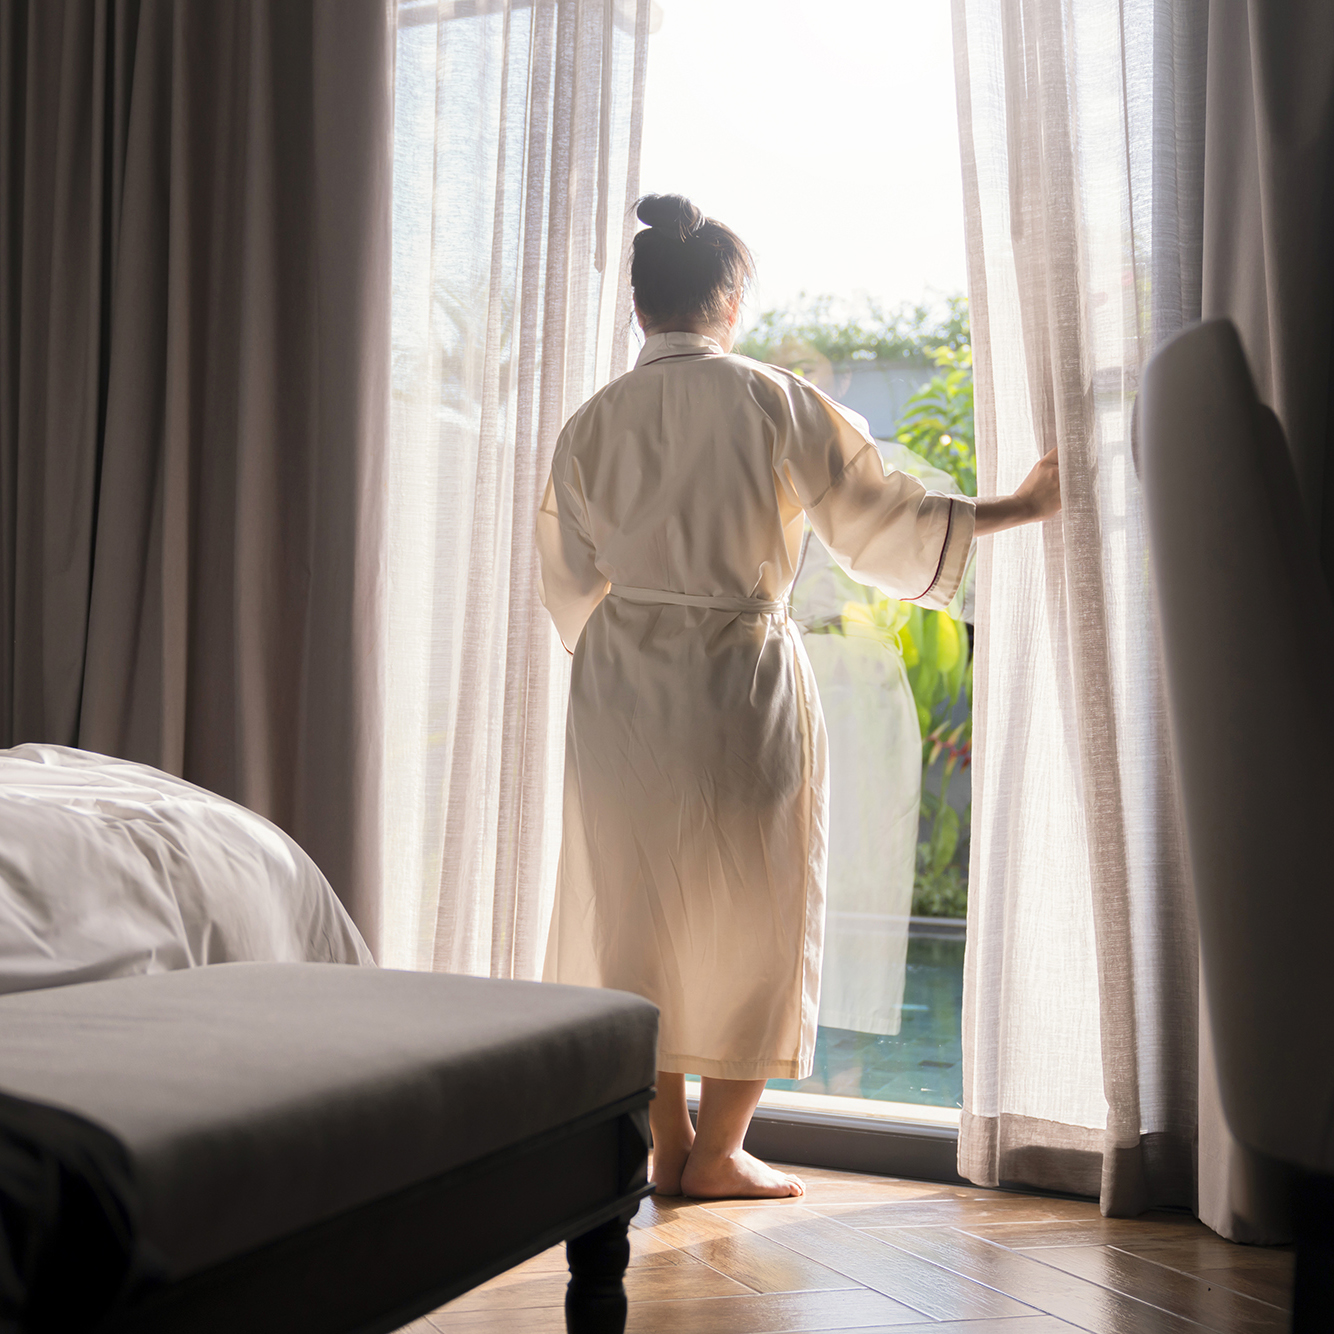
(1041, 489)
(1038, 498)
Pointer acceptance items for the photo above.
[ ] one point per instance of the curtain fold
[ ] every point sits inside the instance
(517, 129)
(194, 242)
(1262, 93)
(1079, 1005)
(1268, 225)
(1128, 167)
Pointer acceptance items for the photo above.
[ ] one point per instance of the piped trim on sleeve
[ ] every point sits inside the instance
(944, 547)
(953, 554)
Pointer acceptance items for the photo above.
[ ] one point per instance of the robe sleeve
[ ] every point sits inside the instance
(883, 529)
(569, 583)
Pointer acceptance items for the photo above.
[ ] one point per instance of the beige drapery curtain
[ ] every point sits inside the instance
(1080, 1007)
(1264, 98)
(1268, 220)
(1129, 165)
(516, 147)
(194, 246)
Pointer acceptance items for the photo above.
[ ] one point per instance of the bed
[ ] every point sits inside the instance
(109, 868)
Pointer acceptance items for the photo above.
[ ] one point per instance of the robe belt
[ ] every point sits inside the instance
(764, 606)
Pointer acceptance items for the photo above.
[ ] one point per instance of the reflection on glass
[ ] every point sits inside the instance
(891, 992)
(919, 1064)
(895, 683)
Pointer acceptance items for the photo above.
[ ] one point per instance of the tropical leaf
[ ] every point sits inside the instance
(937, 426)
(944, 838)
(908, 647)
(946, 634)
(937, 421)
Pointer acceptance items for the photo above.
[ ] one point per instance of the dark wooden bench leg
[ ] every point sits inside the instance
(595, 1299)
(1313, 1287)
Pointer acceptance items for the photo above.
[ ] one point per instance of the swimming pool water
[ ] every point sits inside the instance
(922, 1064)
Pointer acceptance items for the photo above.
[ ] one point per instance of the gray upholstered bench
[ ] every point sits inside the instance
(314, 1147)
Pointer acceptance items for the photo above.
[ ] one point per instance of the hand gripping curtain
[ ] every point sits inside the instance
(517, 129)
(1080, 1003)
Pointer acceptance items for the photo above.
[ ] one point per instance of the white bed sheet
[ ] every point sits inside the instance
(109, 868)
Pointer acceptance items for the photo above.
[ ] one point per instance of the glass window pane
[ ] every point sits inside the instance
(854, 212)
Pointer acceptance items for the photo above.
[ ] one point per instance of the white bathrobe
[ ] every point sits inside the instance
(693, 851)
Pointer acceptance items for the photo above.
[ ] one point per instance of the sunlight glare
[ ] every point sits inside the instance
(825, 134)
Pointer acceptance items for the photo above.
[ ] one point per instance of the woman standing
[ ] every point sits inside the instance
(692, 863)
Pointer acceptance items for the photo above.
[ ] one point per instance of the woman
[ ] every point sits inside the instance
(693, 855)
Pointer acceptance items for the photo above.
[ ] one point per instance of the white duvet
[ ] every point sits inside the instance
(109, 868)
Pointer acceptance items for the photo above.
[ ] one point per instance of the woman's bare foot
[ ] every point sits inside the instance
(673, 1133)
(668, 1162)
(737, 1175)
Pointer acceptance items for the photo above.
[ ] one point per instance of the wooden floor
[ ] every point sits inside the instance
(871, 1253)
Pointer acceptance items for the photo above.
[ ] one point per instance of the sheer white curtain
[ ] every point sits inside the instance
(517, 129)
(1080, 1004)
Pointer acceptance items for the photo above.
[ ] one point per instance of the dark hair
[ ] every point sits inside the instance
(685, 266)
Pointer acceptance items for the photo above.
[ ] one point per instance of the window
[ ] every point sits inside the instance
(755, 109)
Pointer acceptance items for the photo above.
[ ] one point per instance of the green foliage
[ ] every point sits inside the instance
(813, 330)
(938, 890)
(940, 887)
(939, 660)
(935, 652)
(939, 663)
(937, 424)
(937, 420)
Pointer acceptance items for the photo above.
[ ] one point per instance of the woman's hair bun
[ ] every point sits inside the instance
(670, 211)
(675, 281)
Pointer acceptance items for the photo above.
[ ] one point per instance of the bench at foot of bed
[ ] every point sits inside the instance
(317, 1147)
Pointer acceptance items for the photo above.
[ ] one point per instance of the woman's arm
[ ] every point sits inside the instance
(569, 583)
(1038, 497)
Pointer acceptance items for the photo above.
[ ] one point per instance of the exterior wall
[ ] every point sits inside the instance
(876, 389)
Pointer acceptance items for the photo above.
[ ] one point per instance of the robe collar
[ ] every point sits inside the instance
(660, 346)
